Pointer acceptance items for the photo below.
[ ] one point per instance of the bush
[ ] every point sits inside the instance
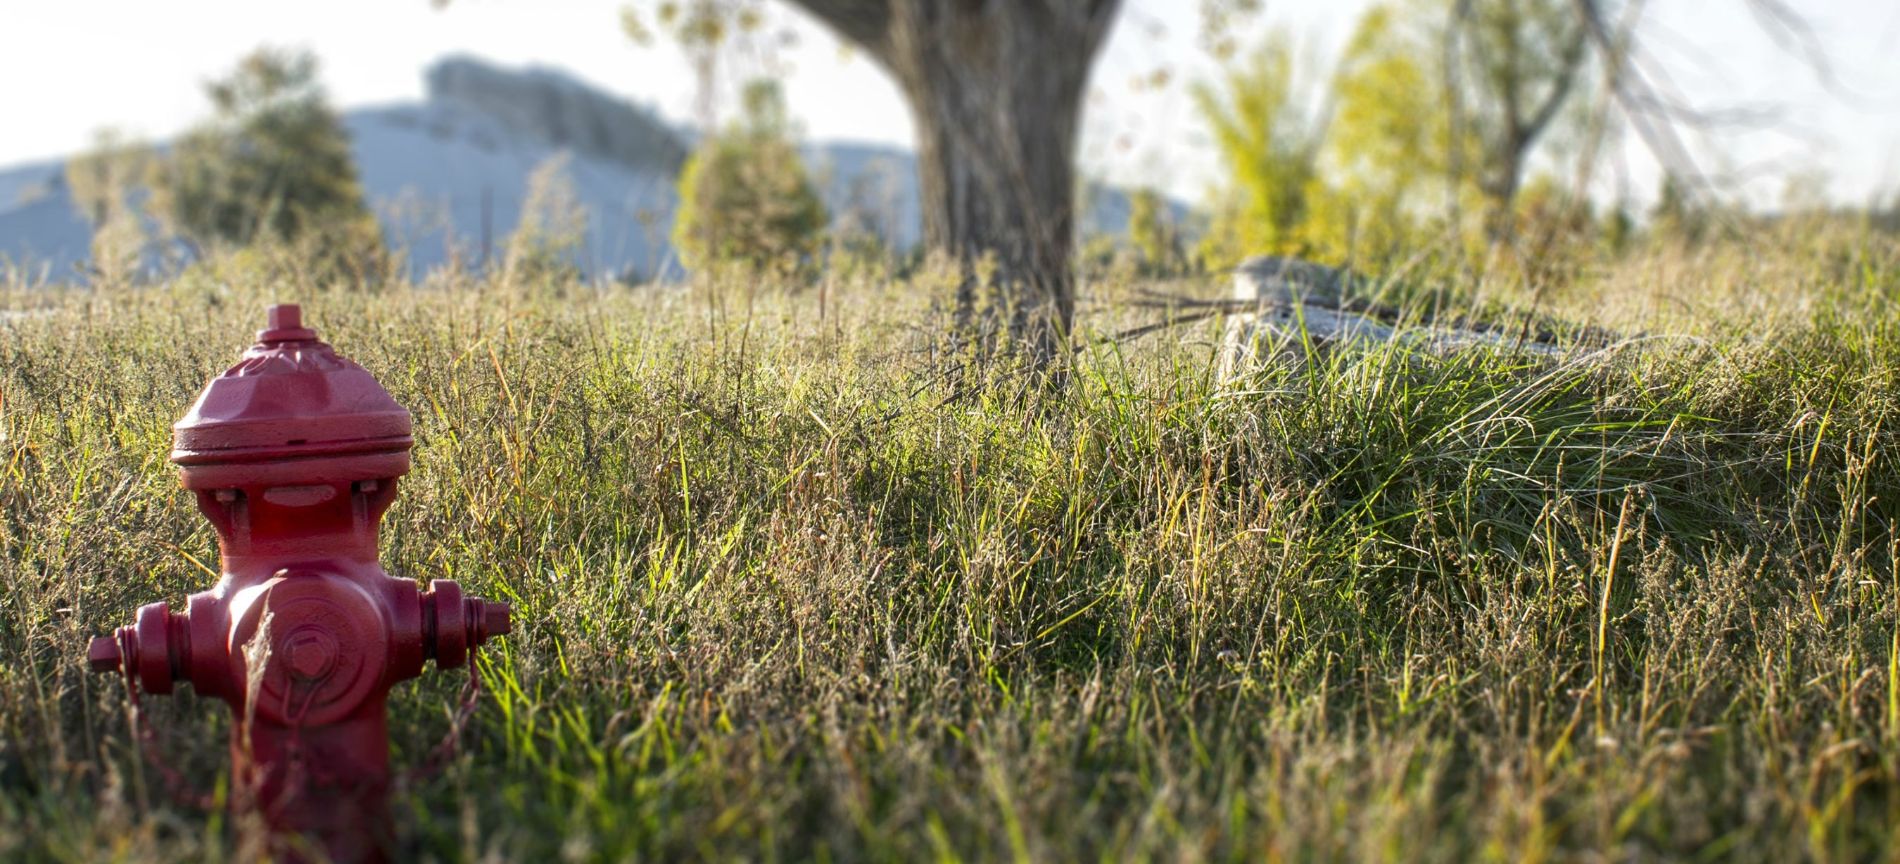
(745, 196)
(552, 229)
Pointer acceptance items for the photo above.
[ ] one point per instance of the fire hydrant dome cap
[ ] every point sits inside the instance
(290, 397)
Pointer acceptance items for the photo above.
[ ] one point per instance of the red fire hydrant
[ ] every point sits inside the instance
(293, 455)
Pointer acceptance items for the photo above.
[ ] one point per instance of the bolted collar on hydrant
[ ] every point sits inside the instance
(293, 455)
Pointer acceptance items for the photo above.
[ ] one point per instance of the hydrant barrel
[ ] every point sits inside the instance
(293, 454)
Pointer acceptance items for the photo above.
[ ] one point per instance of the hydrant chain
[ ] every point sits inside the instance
(177, 787)
(444, 751)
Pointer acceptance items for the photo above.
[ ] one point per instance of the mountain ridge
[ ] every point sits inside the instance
(447, 176)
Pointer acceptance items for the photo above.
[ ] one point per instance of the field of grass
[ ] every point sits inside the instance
(776, 598)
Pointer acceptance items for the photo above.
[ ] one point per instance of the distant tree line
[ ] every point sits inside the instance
(272, 168)
(1435, 127)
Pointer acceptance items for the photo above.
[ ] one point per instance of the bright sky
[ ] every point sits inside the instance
(70, 67)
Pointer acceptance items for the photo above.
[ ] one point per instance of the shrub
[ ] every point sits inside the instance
(745, 196)
(552, 229)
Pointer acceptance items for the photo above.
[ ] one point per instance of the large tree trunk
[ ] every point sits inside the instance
(996, 90)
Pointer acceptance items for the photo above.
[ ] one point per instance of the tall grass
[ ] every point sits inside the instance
(777, 599)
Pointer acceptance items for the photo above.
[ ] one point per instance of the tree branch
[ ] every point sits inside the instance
(1793, 34)
(867, 23)
(1100, 14)
(1630, 87)
(1560, 89)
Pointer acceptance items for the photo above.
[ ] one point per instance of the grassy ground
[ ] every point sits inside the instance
(774, 600)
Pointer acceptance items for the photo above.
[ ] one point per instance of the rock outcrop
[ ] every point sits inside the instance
(556, 110)
(1281, 304)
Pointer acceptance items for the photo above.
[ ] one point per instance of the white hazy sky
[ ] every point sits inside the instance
(70, 67)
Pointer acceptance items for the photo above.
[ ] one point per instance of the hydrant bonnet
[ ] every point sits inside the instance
(291, 406)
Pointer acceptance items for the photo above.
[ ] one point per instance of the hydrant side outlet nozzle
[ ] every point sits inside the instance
(293, 454)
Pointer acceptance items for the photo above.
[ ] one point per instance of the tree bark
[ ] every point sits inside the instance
(995, 88)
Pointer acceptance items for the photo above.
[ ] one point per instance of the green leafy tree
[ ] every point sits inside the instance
(273, 163)
(1269, 142)
(1515, 65)
(1387, 149)
(1442, 104)
(745, 195)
